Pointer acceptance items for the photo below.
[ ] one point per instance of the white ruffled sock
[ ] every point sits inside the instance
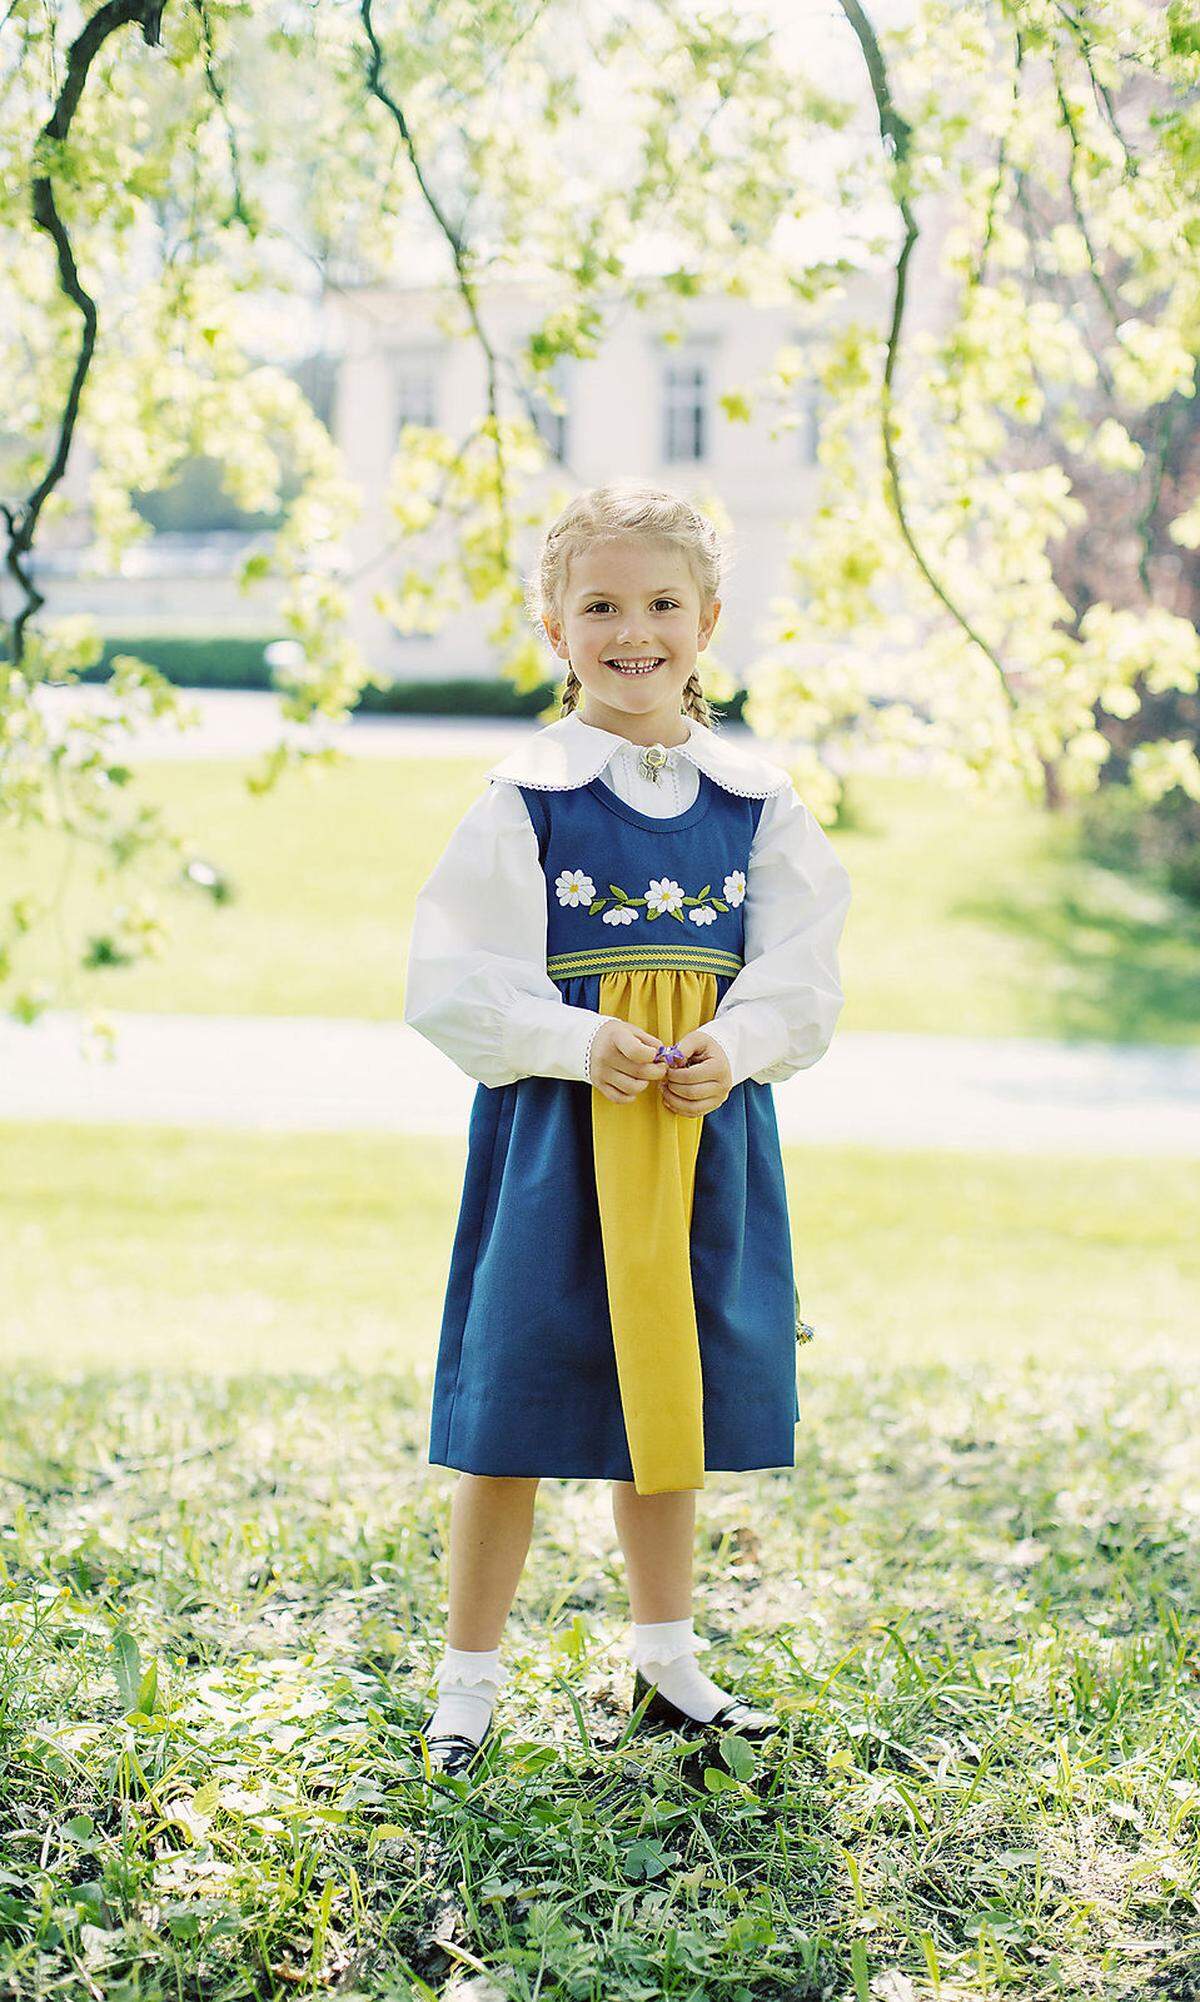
(468, 1684)
(666, 1654)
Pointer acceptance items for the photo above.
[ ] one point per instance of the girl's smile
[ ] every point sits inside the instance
(632, 625)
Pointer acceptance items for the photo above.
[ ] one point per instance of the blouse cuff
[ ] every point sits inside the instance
(587, 1055)
(753, 1035)
(550, 1039)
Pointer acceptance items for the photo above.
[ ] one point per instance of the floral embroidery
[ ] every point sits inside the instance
(574, 887)
(664, 897)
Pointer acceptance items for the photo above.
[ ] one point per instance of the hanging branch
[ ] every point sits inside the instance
(896, 133)
(239, 211)
(22, 520)
(1077, 209)
(1100, 91)
(1172, 415)
(980, 271)
(460, 254)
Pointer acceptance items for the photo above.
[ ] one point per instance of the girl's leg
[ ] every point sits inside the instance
(657, 1535)
(491, 1519)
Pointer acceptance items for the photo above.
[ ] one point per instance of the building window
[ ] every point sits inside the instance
(553, 426)
(416, 393)
(808, 430)
(685, 410)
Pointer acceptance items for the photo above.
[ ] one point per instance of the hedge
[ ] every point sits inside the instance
(238, 662)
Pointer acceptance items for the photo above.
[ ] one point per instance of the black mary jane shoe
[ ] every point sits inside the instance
(453, 1752)
(661, 1714)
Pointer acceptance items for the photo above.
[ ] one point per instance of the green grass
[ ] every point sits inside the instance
(259, 1252)
(970, 916)
(974, 1602)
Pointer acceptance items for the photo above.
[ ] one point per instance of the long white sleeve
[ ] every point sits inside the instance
(777, 1016)
(477, 985)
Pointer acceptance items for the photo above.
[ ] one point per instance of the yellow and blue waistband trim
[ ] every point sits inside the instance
(626, 958)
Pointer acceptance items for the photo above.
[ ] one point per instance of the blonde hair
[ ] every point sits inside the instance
(627, 507)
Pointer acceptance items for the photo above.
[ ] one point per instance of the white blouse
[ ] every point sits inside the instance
(477, 985)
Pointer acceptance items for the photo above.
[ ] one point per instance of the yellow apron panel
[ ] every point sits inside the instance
(645, 1158)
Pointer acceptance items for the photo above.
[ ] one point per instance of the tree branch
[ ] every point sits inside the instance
(1100, 91)
(978, 275)
(239, 211)
(460, 254)
(1076, 205)
(22, 521)
(896, 133)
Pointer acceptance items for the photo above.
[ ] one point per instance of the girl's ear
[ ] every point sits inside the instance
(708, 624)
(554, 633)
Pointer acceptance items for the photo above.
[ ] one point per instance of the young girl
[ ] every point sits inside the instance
(630, 937)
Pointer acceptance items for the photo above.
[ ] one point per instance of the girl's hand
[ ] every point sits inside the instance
(705, 1083)
(622, 1062)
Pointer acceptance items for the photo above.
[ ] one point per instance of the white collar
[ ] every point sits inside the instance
(572, 753)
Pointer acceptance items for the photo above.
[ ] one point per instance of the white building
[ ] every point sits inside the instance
(645, 406)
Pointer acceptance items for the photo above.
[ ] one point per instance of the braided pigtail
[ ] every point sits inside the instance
(695, 702)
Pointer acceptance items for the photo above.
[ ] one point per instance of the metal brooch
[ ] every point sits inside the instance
(653, 760)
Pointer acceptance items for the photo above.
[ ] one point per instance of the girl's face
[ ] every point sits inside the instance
(627, 603)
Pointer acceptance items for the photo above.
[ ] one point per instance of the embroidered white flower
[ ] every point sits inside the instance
(664, 895)
(574, 887)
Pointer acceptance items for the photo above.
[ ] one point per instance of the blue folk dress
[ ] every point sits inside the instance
(527, 1380)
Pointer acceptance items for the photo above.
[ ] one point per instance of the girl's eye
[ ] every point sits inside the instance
(602, 605)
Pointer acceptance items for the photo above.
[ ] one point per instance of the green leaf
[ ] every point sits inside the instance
(738, 1755)
(80, 1828)
(736, 407)
(148, 1690)
(647, 1859)
(126, 1666)
(206, 1798)
(858, 1965)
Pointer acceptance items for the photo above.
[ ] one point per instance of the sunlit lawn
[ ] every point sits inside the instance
(973, 1602)
(254, 1251)
(969, 916)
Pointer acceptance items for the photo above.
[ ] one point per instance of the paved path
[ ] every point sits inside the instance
(1017, 1095)
(1014, 1094)
(246, 722)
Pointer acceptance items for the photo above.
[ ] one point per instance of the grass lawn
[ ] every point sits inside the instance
(974, 1603)
(970, 916)
(154, 1248)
